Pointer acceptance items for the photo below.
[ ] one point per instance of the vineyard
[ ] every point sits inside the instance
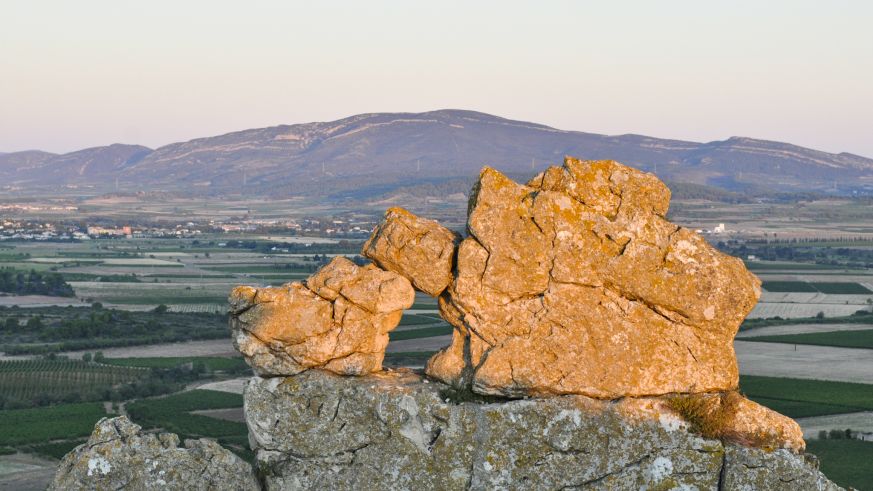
(25, 379)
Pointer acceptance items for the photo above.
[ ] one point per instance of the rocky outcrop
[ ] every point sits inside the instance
(576, 283)
(119, 456)
(592, 350)
(396, 430)
(419, 249)
(339, 320)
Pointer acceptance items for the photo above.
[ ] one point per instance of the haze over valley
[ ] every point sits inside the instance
(369, 155)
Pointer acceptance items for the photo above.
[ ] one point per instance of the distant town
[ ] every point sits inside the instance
(27, 230)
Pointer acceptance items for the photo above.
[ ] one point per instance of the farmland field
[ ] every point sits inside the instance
(799, 398)
(26, 379)
(845, 339)
(173, 414)
(766, 310)
(424, 332)
(38, 425)
(788, 286)
(846, 462)
(833, 288)
(212, 363)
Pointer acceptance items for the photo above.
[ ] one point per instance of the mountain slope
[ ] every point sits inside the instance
(372, 153)
(91, 165)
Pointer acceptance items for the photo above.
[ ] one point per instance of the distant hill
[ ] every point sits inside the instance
(373, 154)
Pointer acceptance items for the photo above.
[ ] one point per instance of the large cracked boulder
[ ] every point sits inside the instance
(576, 283)
(396, 430)
(339, 320)
(119, 456)
(419, 249)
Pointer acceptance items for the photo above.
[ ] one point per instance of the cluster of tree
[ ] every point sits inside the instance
(267, 247)
(846, 434)
(157, 381)
(97, 327)
(781, 251)
(861, 316)
(34, 283)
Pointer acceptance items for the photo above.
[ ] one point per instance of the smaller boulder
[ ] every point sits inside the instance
(339, 320)
(119, 456)
(418, 249)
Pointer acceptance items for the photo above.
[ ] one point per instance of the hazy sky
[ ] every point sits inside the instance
(84, 73)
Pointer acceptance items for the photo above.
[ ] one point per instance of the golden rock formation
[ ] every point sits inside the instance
(419, 249)
(576, 283)
(338, 321)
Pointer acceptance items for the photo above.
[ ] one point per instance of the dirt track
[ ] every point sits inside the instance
(25, 472)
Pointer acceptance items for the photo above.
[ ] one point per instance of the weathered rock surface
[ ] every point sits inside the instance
(731, 417)
(419, 249)
(339, 320)
(394, 430)
(119, 456)
(577, 284)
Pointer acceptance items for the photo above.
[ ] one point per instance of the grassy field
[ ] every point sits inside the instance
(788, 286)
(849, 319)
(212, 363)
(843, 339)
(415, 320)
(412, 358)
(832, 288)
(799, 398)
(424, 332)
(846, 462)
(163, 299)
(41, 425)
(842, 288)
(777, 266)
(25, 379)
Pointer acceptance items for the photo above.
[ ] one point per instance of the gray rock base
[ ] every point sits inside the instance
(395, 430)
(119, 456)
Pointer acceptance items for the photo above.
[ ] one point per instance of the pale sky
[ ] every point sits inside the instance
(75, 74)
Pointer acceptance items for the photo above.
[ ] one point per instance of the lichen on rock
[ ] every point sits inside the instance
(396, 430)
(119, 456)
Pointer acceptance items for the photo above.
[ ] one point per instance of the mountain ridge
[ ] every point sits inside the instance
(373, 152)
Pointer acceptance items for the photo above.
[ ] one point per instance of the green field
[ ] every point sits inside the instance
(842, 288)
(424, 332)
(134, 299)
(842, 339)
(856, 318)
(410, 358)
(846, 462)
(255, 269)
(799, 398)
(788, 286)
(56, 450)
(833, 288)
(26, 379)
(212, 363)
(172, 414)
(41, 425)
(416, 319)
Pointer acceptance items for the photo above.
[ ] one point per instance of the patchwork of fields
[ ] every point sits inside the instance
(816, 368)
